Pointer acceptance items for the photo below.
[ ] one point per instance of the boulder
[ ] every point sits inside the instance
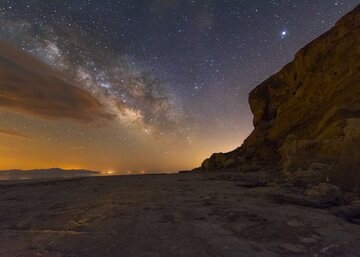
(326, 192)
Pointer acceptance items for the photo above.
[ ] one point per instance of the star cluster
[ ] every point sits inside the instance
(174, 74)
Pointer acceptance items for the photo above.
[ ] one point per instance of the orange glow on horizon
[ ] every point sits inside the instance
(72, 146)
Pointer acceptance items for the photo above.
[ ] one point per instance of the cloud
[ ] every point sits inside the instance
(14, 134)
(30, 86)
(135, 95)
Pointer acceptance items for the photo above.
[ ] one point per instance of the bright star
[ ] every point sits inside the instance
(284, 33)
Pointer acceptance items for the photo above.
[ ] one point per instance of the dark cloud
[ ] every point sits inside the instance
(30, 86)
(14, 134)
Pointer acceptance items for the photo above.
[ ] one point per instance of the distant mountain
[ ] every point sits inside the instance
(44, 174)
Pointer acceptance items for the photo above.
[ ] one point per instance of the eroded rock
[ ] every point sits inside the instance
(309, 112)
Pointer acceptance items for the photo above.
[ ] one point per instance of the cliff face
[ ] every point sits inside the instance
(309, 112)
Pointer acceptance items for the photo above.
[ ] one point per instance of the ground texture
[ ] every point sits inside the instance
(172, 215)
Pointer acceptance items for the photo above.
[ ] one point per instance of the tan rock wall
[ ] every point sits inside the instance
(309, 112)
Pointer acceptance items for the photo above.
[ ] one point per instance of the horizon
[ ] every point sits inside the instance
(99, 172)
(188, 128)
(151, 86)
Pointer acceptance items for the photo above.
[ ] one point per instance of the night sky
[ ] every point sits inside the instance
(140, 86)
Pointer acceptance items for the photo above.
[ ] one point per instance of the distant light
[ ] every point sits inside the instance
(110, 172)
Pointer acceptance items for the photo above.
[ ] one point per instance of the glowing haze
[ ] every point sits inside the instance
(140, 86)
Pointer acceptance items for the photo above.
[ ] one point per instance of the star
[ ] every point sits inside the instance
(169, 73)
(284, 33)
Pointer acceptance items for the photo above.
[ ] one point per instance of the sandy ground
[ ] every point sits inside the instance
(166, 216)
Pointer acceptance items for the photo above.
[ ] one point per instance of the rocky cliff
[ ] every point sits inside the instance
(307, 116)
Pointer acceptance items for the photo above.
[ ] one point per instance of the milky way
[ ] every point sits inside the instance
(136, 96)
(174, 76)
